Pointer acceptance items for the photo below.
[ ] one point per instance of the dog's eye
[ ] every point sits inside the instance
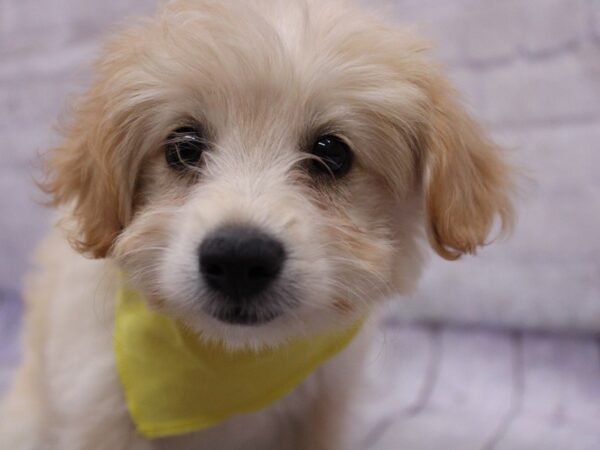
(184, 148)
(334, 156)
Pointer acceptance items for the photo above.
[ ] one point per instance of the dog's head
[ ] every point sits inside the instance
(265, 169)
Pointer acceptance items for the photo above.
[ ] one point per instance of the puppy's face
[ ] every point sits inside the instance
(263, 170)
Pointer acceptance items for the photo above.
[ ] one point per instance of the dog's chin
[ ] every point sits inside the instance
(244, 316)
(267, 329)
(249, 312)
(245, 330)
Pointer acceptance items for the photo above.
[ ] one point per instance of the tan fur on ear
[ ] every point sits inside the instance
(93, 172)
(83, 176)
(467, 183)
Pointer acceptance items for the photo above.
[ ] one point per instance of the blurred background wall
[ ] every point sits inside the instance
(530, 70)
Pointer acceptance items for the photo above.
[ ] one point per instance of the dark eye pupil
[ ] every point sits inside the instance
(334, 155)
(184, 148)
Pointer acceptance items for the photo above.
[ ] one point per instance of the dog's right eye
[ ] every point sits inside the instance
(184, 148)
(334, 156)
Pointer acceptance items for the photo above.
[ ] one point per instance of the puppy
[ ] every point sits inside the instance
(259, 172)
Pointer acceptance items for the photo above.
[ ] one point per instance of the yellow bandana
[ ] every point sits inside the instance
(176, 383)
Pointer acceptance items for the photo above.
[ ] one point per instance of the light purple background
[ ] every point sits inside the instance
(512, 360)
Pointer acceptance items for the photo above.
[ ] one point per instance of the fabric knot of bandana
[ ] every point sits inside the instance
(175, 382)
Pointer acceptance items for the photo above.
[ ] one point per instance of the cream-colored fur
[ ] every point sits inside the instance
(263, 78)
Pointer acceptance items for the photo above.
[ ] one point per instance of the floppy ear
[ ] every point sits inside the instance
(84, 174)
(467, 183)
(93, 172)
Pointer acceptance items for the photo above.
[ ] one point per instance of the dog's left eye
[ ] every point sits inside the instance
(184, 148)
(335, 157)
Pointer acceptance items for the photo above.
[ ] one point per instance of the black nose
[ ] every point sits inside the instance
(240, 262)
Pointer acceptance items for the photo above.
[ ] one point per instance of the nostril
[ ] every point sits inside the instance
(213, 270)
(261, 272)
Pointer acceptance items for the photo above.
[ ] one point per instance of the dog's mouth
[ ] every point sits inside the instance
(244, 315)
